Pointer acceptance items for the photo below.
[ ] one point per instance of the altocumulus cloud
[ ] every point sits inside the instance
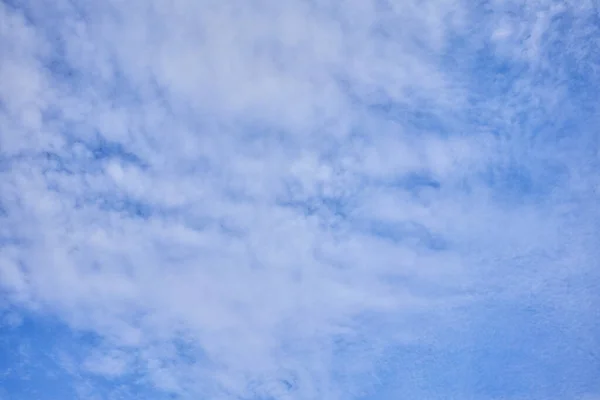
(299, 199)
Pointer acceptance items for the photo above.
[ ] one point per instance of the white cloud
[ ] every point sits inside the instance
(239, 176)
(109, 364)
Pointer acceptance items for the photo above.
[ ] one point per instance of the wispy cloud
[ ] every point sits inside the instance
(299, 199)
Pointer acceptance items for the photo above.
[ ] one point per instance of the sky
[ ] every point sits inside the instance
(299, 200)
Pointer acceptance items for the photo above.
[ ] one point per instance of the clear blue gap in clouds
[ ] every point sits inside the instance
(299, 200)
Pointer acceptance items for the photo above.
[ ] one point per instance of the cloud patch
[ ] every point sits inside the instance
(300, 200)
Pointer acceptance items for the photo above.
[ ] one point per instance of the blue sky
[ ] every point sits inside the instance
(299, 200)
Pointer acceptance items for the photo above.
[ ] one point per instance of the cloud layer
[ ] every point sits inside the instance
(299, 199)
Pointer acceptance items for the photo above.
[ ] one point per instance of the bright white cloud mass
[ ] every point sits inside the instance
(299, 199)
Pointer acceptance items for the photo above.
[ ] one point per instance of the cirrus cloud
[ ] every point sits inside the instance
(299, 199)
